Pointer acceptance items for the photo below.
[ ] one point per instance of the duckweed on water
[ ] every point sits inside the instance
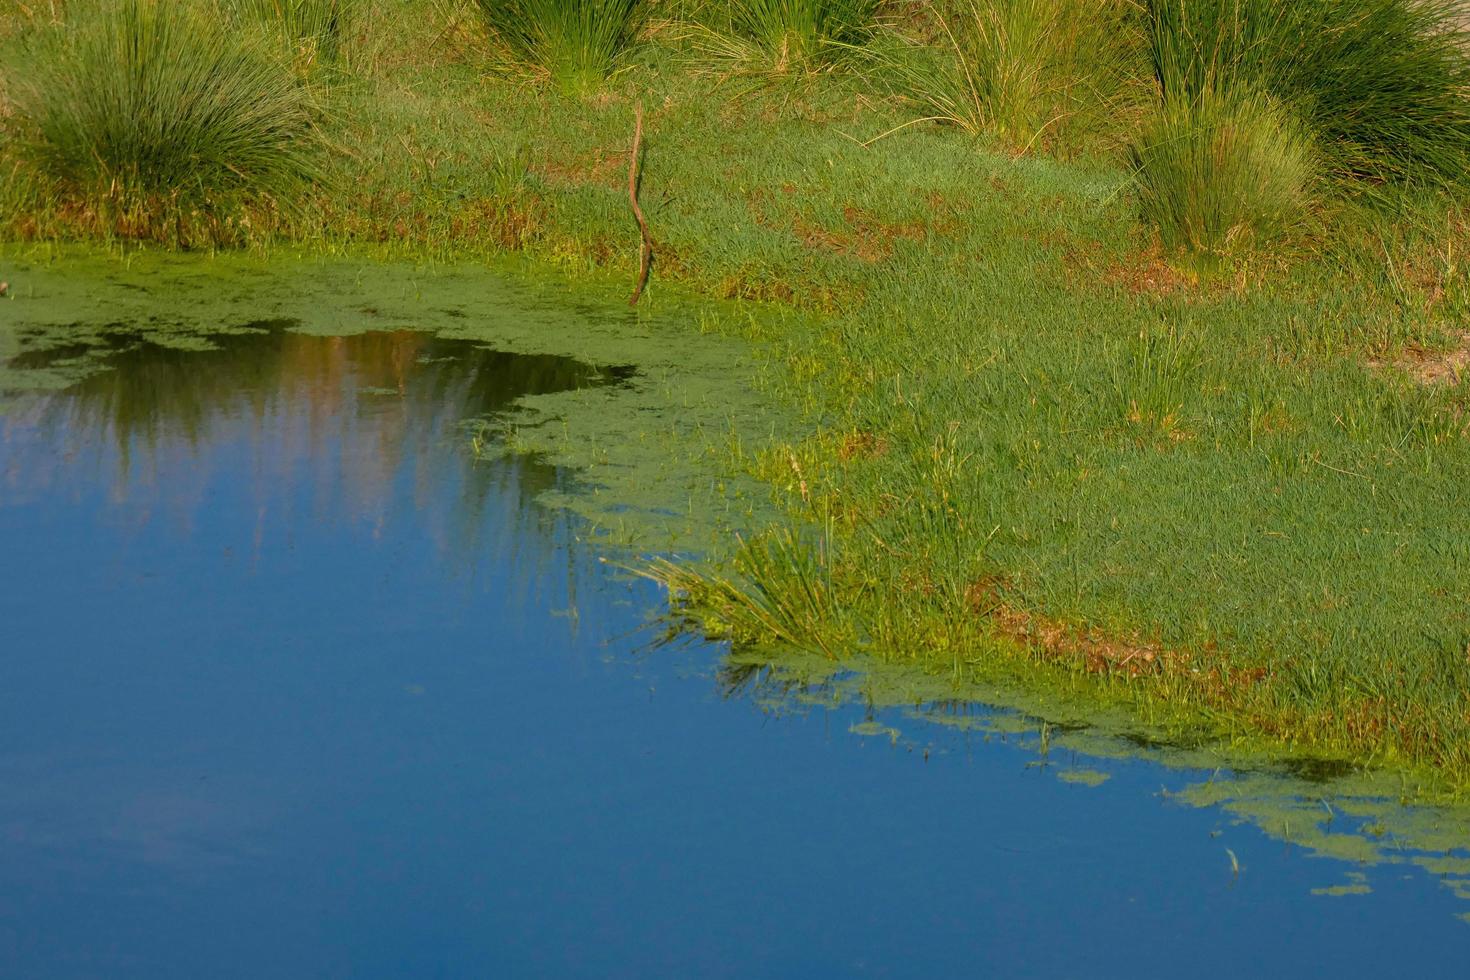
(644, 447)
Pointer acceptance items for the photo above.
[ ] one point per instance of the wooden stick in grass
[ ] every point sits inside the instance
(646, 262)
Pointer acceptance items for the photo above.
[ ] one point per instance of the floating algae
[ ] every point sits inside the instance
(1340, 813)
(644, 450)
(1083, 777)
(1357, 884)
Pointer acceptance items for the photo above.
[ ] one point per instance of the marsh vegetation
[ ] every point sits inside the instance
(152, 120)
(575, 43)
(1129, 335)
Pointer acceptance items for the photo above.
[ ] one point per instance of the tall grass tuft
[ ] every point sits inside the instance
(782, 36)
(1256, 94)
(150, 118)
(1381, 84)
(781, 590)
(577, 43)
(1223, 171)
(314, 30)
(1023, 70)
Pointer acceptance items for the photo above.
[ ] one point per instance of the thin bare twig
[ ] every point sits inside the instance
(884, 135)
(646, 263)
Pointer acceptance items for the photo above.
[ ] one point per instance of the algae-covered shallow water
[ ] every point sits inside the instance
(294, 683)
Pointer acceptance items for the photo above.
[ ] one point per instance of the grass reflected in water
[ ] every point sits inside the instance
(1321, 807)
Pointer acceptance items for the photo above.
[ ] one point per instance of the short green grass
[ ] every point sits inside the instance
(1035, 435)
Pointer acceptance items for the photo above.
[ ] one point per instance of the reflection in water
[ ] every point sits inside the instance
(1323, 807)
(356, 418)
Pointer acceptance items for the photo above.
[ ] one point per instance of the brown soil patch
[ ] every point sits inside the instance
(1054, 640)
(862, 445)
(1096, 651)
(509, 224)
(862, 234)
(944, 214)
(1147, 273)
(1437, 367)
(760, 288)
(1099, 653)
(600, 167)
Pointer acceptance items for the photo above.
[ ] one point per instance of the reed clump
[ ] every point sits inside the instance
(787, 36)
(1250, 91)
(1222, 171)
(314, 31)
(1380, 83)
(1026, 71)
(781, 591)
(153, 119)
(575, 43)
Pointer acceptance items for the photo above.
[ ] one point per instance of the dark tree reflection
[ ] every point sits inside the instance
(353, 427)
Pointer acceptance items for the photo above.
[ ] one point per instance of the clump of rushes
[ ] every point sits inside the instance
(1223, 170)
(577, 43)
(1375, 88)
(1380, 83)
(314, 30)
(782, 591)
(784, 36)
(1023, 70)
(152, 119)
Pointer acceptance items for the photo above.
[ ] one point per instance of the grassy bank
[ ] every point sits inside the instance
(1181, 431)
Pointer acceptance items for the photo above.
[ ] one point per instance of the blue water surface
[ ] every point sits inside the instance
(291, 686)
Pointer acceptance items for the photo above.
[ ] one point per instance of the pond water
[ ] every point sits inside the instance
(292, 683)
